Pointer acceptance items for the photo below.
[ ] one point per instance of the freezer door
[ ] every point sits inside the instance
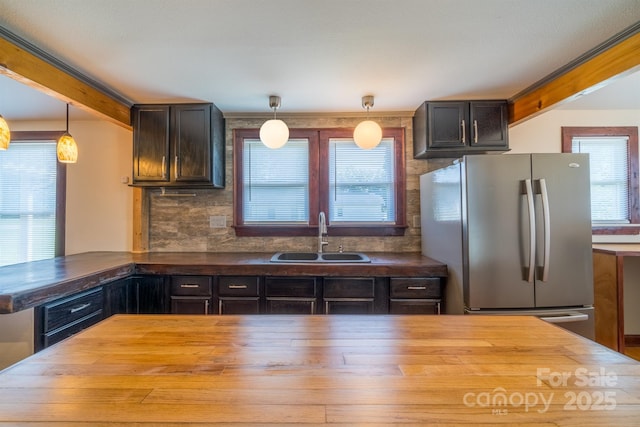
(564, 273)
(496, 238)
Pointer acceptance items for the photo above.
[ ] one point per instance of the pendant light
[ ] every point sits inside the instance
(5, 134)
(274, 133)
(67, 148)
(368, 133)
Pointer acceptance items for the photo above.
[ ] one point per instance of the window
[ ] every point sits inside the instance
(281, 192)
(613, 158)
(32, 199)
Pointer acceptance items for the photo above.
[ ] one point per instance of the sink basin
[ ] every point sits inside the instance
(315, 257)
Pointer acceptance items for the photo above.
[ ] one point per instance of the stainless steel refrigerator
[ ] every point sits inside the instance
(515, 232)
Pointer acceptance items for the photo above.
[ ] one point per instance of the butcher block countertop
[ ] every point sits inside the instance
(319, 370)
(33, 283)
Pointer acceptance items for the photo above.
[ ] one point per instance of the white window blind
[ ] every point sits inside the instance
(361, 182)
(276, 182)
(608, 161)
(27, 202)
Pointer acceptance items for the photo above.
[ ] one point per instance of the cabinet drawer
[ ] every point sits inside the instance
(191, 285)
(58, 335)
(349, 287)
(239, 286)
(69, 310)
(290, 287)
(415, 287)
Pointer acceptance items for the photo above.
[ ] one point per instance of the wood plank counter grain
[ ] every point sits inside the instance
(29, 284)
(323, 370)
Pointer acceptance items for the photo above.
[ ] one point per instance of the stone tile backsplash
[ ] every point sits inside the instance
(181, 224)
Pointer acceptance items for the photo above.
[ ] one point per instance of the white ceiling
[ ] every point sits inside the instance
(318, 55)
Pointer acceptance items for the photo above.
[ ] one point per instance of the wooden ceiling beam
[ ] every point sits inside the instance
(27, 64)
(615, 58)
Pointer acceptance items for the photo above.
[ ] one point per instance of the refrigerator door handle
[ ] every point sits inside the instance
(570, 317)
(547, 229)
(529, 271)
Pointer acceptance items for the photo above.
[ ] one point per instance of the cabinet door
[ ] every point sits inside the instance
(238, 295)
(237, 305)
(291, 295)
(347, 295)
(190, 305)
(119, 298)
(448, 124)
(414, 306)
(150, 294)
(488, 122)
(192, 142)
(151, 143)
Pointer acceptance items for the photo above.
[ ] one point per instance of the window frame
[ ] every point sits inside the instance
(319, 186)
(61, 182)
(631, 132)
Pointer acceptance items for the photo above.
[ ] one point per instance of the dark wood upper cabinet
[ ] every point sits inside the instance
(179, 145)
(455, 128)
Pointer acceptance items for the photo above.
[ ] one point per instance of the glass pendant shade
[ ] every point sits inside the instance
(367, 134)
(274, 133)
(67, 149)
(5, 134)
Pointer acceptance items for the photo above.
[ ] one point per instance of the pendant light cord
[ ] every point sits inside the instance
(67, 118)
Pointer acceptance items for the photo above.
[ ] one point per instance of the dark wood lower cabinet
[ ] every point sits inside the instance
(239, 295)
(291, 295)
(415, 295)
(67, 316)
(191, 294)
(348, 295)
(184, 294)
(151, 294)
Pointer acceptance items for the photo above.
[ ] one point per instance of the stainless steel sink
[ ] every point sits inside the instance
(317, 257)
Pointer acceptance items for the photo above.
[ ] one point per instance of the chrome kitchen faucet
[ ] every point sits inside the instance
(322, 232)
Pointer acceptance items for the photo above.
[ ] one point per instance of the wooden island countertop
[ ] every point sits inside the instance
(321, 370)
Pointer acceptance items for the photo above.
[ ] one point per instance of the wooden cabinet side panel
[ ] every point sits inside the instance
(605, 287)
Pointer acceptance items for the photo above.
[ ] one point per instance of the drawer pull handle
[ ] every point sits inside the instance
(237, 286)
(186, 285)
(79, 308)
(416, 288)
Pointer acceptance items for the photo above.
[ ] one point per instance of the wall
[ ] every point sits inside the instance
(182, 223)
(99, 208)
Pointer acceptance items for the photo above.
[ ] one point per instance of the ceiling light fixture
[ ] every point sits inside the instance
(67, 149)
(5, 134)
(368, 133)
(274, 133)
